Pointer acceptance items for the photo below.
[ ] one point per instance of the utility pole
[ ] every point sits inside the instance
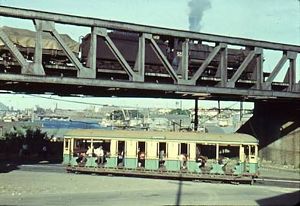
(241, 110)
(196, 120)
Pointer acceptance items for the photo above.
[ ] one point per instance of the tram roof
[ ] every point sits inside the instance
(161, 136)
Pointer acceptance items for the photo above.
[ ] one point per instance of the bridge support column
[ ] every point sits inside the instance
(277, 127)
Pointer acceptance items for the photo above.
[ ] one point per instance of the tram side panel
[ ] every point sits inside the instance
(152, 162)
(192, 165)
(112, 157)
(131, 154)
(172, 162)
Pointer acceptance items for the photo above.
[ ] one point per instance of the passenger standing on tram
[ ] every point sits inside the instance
(90, 151)
(141, 158)
(101, 155)
(121, 158)
(183, 160)
(99, 152)
(161, 158)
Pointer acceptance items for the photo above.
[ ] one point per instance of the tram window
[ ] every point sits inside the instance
(121, 147)
(104, 143)
(81, 144)
(66, 143)
(208, 151)
(106, 146)
(141, 154)
(198, 150)
(141, 146)
(249, 149)
(162, 149)
(252, 149)
(183, 148)
(229, 151)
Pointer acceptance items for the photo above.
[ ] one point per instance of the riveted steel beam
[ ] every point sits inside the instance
(247, 93)
(139, 66)
(242, 67)
(132, 75)
(223, 66)
(162, 58)
(259, 71)
(185, 60)
(15, 52)
(290, 76)
(277, 68)
(94, 22)
(37, 68)
(92, 55)
(207, 61)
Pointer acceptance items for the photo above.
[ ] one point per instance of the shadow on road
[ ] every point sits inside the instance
(285, 199)
(179, 191)
(6, 167)
(10, 164)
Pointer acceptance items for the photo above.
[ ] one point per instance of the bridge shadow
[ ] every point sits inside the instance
(10, 164)
(289, 199)
(179, 190)
(271, 122)
(6, 167)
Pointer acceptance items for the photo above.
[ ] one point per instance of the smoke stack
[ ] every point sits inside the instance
(197, 7)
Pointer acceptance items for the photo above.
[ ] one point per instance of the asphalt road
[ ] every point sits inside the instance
(50, 185)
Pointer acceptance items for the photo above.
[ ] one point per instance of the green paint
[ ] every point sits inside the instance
(131, 162)
(217, 169)
(172, 165)
(111, 162)
(239, 168)
(151, 164)
(91, 162)
(66, 159)
(193, 167)
(73, 161)
(253, 167)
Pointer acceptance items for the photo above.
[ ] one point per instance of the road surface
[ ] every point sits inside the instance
(54, 187)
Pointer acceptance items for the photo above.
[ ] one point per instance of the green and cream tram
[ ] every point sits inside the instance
(188, 154)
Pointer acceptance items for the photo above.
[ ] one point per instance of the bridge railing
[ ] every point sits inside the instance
(215, 69)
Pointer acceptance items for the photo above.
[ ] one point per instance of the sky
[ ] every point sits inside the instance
(270, 20)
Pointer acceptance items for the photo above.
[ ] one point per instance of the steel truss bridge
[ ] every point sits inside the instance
(247, 81)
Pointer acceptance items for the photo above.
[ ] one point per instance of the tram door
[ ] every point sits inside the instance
(121, 153)
(67, 151)
(183, 155)
(162, 154)
(141, 154)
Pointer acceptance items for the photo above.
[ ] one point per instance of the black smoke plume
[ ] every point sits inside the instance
(197, 7)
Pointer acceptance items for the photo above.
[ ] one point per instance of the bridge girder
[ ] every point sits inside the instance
(180, 82)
